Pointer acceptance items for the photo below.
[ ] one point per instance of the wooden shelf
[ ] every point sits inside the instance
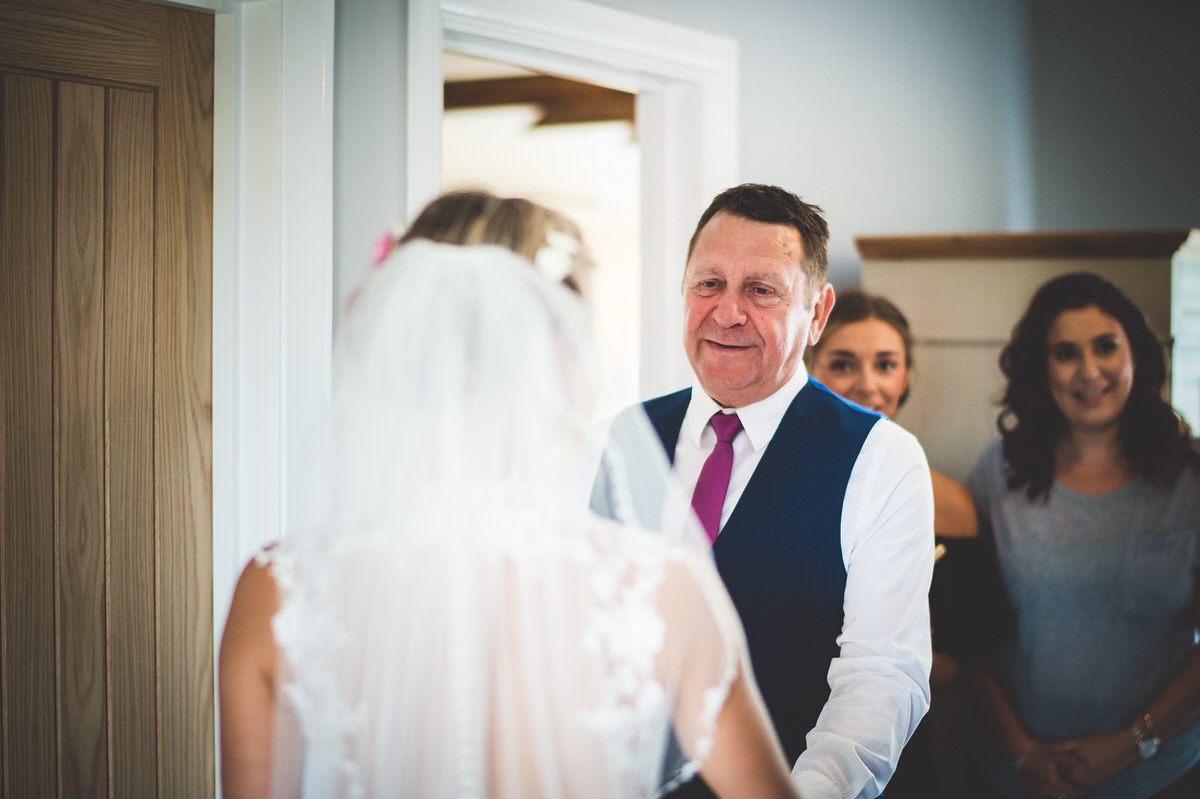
(1042, 244)
(561, 101)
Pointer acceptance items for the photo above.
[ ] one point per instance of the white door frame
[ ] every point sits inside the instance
(687, 117)
(272, 262)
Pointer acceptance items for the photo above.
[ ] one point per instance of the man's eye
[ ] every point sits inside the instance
(762, 295)
(708, 286)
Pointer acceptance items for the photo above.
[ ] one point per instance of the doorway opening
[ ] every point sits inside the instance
(570, 146)
(685, 83)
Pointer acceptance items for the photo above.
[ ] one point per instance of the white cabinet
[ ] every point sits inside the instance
(1185, 328)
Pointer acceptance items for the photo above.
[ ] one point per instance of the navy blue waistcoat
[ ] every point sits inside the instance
(780, 552)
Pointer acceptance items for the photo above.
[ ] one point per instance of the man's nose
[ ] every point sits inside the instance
(728, 311)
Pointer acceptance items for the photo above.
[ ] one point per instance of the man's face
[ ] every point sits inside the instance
(747, 313)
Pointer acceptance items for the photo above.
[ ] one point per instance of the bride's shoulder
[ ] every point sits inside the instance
(255, 601)
(264, 564)
(265, 556)
(258, 576)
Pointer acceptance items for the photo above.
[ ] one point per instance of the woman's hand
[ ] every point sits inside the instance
(1041, 773)
(1093, 759)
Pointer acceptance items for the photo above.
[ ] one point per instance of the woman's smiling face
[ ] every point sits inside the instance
(865, 362)
(1089, 368)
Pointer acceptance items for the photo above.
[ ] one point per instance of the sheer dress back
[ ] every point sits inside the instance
(449, 625)
(564, 663)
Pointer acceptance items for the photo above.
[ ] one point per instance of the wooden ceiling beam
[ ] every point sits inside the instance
(561, 101)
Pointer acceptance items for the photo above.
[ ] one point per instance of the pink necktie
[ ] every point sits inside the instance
(709, 495)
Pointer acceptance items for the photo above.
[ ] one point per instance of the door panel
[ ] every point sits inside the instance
(129, 450)
(183, 402)
(79, 434)
(105, 40)
(27, 642)
(106, 639)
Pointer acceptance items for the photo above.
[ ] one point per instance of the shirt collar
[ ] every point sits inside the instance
(759, 419)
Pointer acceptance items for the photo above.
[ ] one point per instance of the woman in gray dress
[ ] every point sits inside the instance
(1092, 501)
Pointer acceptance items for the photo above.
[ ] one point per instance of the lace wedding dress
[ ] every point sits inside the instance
(449, 624)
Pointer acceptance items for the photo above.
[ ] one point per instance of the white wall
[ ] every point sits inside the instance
(938, 116)
(904, 116)
(901, 116)
(369, 118)
(1115, 107)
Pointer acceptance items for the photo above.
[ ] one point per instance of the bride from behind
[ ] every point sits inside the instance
(441, 622)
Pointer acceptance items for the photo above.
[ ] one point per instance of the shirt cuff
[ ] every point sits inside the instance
(815, 785)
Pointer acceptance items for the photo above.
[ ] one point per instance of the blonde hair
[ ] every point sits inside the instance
(522, 226)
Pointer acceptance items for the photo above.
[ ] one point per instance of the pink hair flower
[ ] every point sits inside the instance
(383, 248)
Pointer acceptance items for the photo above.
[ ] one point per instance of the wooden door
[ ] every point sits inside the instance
(106, 639)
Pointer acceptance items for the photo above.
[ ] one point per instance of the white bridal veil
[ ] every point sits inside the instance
(450, 624)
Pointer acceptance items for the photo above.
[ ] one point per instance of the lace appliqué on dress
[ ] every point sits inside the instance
(309, 631)
(626, 633)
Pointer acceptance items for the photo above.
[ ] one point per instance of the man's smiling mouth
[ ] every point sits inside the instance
(727, 347)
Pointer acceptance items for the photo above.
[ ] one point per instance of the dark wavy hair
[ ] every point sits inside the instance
(852, 306)
(759, 202)
(1155, 439)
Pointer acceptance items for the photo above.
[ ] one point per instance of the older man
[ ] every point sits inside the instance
(820, 511)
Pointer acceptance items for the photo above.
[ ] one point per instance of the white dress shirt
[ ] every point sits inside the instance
(880, 680)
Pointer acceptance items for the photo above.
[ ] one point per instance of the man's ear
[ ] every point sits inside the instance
(821, 309)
